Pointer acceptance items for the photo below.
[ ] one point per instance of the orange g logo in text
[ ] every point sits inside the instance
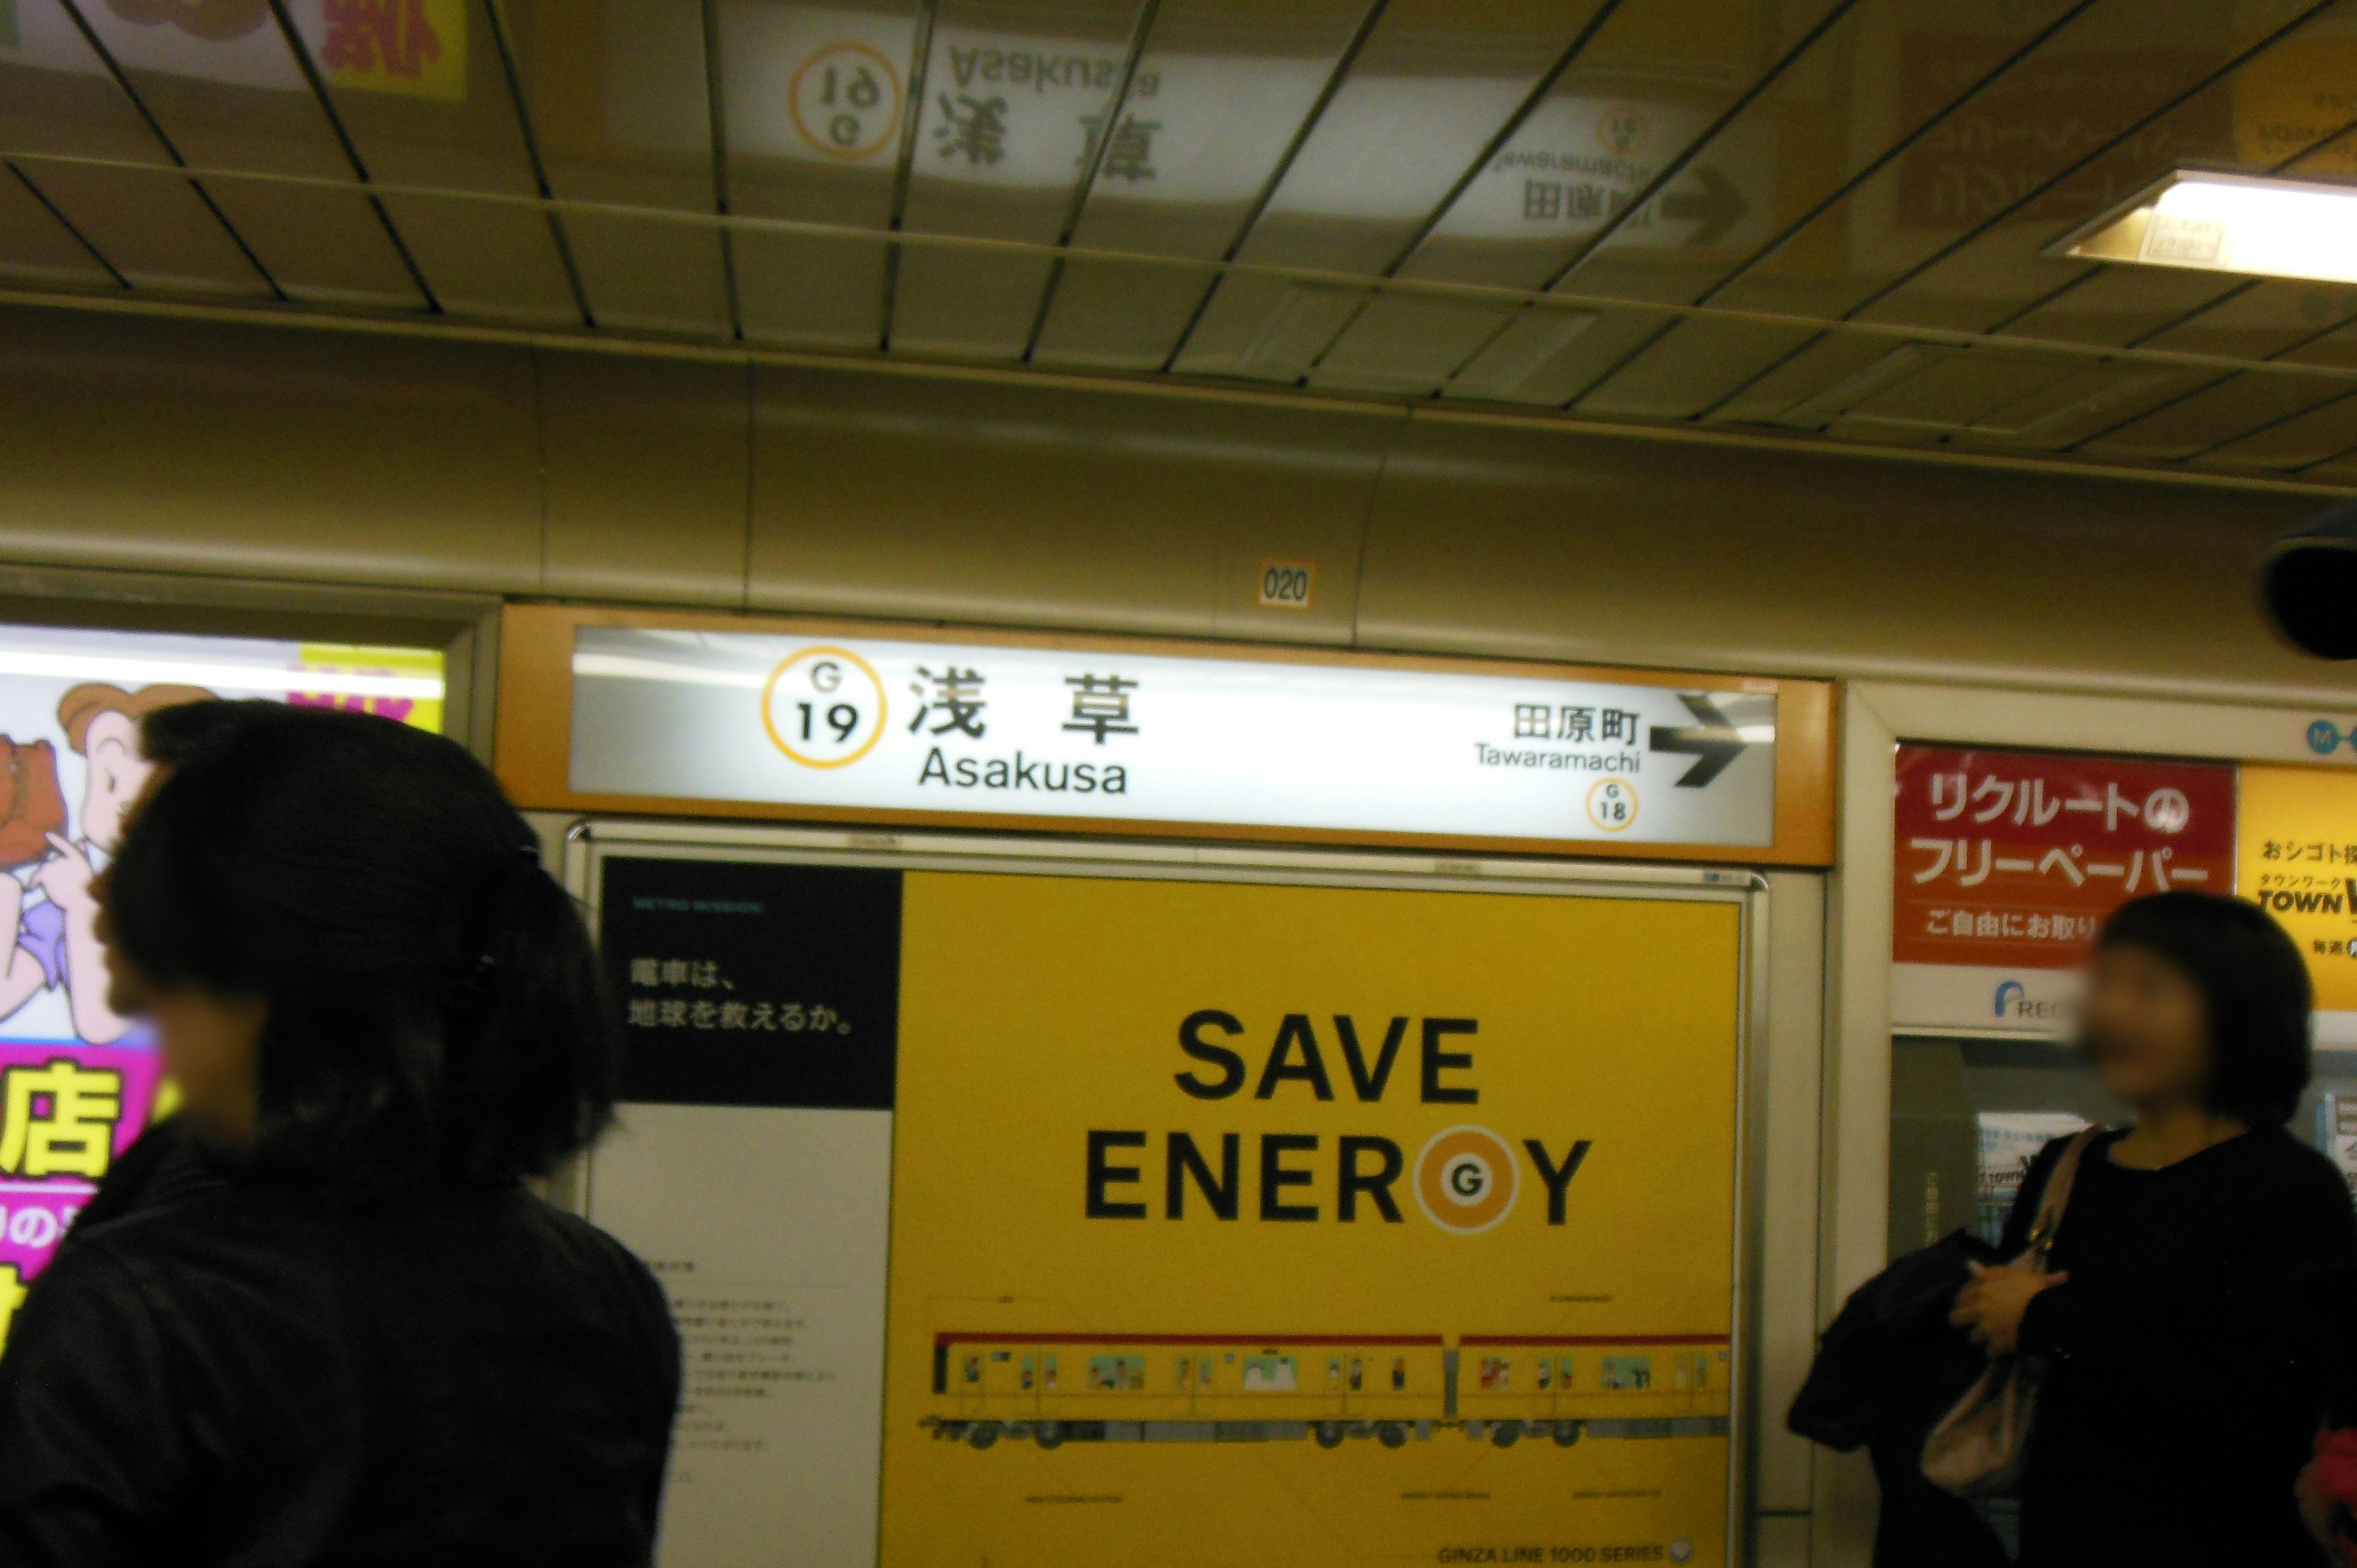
(823, 707)
(1464, 1179)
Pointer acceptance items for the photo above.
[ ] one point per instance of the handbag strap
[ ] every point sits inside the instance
(2057, 1196)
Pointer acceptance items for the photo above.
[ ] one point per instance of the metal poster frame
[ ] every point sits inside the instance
(590, 843)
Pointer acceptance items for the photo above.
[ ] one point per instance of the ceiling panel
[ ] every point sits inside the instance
(1781, 393)
(1619, 119)
(2293, 116)
(1887, 75)
(2340, 469)
(1301, 321)
(1065, 182)
(2312, 436)
(1765, 147)
(650, 274)
(2234, 405)
(1951, 390)
(2261, 317)
(422, 94)
(1991, 278)
(2060, 414)
(1016, 99)
(321, 246)
(422, 91)
(57, 97)
(1433, 86)
(223, 83)
(486, 260)
(2118, 306)
(1807, 135)
(1525, 362)
(1691, 368)
(2004, 155)
(1656, 79)
(153, 226)
(1234, 83)
(1119, 314)
(815, 100)
(230, 92)
(2333, 345)
(618, 103)
(1969, 164)
(37, 249)
(1560, 366)
(1405, 344)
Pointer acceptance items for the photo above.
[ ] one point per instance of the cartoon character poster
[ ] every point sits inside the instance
(80, 1082)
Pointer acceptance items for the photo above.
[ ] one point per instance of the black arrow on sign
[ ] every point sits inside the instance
(1717, 207)
(1713, 742)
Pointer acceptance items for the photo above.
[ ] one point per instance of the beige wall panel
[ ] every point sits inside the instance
(1614, 551)
(649, 477)
(1780, 1540)
(187, 446)
(1052, 506)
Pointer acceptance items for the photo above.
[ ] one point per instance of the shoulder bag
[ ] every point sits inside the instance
(1977, 1448)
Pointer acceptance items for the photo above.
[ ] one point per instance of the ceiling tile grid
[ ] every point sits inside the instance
(1829, 218)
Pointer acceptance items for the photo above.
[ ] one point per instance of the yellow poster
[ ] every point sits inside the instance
(405, 684)
(2296, 855)
(1239, 1224)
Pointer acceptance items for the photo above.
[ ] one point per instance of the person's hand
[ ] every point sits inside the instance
(66, 877)
(1993, 1301)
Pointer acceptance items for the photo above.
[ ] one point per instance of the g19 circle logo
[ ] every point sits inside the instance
(1464, 1179)
(823, 707)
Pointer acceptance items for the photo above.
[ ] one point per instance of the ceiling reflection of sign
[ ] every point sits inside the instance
(1578, 163)
(2005, 864)
(2052, 112)
(2295, 97)
(885, 723)
(414, 47)
(845, 101)
(1029, 111)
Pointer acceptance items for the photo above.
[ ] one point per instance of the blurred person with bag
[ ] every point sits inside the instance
(2160, 1368)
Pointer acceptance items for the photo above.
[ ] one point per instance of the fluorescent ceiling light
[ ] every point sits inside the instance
(2228, 223)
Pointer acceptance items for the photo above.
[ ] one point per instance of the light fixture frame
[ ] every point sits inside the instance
(2066, 247)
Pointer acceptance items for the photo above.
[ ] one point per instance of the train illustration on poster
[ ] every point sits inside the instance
(1054, 1388)
(78, 1081)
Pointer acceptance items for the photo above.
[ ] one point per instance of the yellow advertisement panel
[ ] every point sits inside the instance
(2296, 855)
(1238, 1224)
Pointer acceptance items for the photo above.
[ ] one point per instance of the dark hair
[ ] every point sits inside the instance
(435, 1008)
(2253, 982)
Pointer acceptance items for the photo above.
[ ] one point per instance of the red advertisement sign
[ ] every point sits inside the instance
(2012, 859)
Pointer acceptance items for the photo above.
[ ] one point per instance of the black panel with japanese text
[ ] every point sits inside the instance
(754, 984)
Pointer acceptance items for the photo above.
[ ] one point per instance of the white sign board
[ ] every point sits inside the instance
(1127, 736)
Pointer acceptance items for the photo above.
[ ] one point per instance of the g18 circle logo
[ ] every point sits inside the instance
(1612, 805)
(1464, 1179)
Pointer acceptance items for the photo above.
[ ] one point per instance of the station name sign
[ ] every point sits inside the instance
(872, 722)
